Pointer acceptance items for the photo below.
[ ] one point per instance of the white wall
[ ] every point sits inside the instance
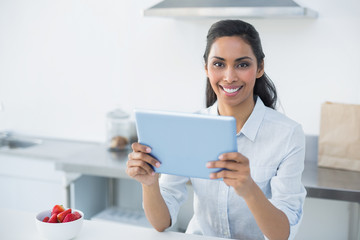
(64, 64)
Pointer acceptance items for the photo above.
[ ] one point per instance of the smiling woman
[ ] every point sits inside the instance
(259, 191)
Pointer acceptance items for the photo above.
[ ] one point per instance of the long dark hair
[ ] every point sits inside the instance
(264, 87)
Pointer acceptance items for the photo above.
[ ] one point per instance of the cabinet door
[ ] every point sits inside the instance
(29, 184)
(28, 194)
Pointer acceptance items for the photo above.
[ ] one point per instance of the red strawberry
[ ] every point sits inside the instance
(62, 215)
(69, 218)
(53, 219)
(46, 219)
(77, 215)
(57, 209)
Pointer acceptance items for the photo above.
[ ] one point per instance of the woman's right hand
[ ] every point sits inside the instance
(138, 165)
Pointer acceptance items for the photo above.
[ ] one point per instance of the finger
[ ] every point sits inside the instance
(137, 147)
(224, 174)
(144, 157)
(234, 156)
(137, 171)
(140, 164)
(228, 164)
(133, 171)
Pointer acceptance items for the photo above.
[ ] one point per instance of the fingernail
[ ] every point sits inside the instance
(212, 175)
(208, 164)
(157, 164)
(148, 149)
(221, 157)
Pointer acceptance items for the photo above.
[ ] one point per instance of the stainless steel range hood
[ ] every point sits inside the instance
(230, 9)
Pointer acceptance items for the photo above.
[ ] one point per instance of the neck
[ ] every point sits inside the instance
(240, 112)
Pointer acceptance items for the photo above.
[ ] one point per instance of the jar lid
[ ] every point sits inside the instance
(117, 114)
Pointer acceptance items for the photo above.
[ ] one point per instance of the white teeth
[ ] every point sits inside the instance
(231, 90)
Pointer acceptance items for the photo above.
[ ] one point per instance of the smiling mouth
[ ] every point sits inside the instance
(230, 90)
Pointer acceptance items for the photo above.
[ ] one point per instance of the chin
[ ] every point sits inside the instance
(234, 102)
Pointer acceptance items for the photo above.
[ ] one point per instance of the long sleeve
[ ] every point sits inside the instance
(288, 193)
(173, 190)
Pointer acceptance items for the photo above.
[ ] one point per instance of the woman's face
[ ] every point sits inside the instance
(232, 70)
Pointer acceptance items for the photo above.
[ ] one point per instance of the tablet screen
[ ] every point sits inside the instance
(185, 142)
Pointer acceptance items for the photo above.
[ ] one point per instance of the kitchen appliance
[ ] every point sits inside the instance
(230, 9)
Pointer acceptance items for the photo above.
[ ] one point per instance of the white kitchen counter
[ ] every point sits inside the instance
(93, 159)
(320, 182)
(20, 225)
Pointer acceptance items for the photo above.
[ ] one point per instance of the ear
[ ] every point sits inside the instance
(260, 71)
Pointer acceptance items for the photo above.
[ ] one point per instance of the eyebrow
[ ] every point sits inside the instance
(236, 60)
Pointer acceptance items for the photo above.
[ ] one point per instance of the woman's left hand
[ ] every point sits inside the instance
(236, 172)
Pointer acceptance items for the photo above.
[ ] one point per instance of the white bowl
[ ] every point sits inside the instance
(58, 231)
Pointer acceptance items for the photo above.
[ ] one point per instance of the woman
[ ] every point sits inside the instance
(261, 194)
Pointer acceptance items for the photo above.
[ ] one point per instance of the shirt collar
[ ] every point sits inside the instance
(252, 125)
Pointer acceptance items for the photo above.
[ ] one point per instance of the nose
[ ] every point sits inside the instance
(230, 75)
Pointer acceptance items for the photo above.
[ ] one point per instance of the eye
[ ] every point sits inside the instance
(243, 65)
(218, 64)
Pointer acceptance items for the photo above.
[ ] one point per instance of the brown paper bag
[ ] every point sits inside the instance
(339, 138)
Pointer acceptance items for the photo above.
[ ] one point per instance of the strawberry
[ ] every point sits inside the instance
(57, 209)
(62, 215)
(77, 215)
(46, 219)
(70, 217)
(53, 219)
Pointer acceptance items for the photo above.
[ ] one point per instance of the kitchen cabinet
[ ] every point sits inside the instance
(330, 220)
(30, 184)
(33, 184)
(29, 179)
(127, 207)
(90, 194)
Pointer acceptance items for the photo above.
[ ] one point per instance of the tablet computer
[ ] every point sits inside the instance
(184, 142)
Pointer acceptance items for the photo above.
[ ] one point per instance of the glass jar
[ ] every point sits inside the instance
(118, 130)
